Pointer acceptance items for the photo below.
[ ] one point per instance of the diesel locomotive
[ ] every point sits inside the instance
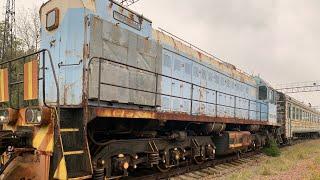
(107, 95)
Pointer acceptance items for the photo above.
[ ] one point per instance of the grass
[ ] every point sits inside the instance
(303, 158)
(272, 149)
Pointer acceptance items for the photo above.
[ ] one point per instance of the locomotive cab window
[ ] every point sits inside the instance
(263, 92)
(52, 19)
(271, 96)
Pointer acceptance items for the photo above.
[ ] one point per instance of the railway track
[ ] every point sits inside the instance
(220, 170)
(208, 170)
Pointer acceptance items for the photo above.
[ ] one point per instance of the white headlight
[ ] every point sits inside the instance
(2, 118)
(33, 116)
(39, 118)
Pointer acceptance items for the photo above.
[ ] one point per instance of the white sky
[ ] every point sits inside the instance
(278, 39)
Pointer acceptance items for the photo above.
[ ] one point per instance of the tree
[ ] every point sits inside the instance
(26, 41)
(28, 28)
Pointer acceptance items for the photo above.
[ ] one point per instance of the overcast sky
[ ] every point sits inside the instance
(277, 39)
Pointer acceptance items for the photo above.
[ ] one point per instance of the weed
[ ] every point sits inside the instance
(272, 149)
(266, 171)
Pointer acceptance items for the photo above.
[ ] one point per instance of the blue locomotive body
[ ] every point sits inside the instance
(108, 94)
(140, 66)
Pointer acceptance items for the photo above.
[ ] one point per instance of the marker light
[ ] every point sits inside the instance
(37, 116)
(4, 116)
(8, 116)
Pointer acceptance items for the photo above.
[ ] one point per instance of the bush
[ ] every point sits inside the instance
(272, 149)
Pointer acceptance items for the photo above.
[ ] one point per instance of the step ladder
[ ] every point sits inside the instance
(74, 144)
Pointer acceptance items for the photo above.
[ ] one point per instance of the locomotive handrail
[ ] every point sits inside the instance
(43, 51)
(100, 59)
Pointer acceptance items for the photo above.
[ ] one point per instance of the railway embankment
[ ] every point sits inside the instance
(300, 161)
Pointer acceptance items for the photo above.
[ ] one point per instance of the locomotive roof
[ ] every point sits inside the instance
(179, 46)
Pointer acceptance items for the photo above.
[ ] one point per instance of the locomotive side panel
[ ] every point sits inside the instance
(127, 68)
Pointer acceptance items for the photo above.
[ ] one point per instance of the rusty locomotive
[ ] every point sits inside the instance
(108, 94)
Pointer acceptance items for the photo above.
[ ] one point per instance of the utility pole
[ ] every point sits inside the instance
(8, 30)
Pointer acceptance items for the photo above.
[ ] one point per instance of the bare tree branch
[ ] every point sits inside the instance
(28, 28)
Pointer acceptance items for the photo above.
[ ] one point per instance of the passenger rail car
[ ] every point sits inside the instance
(299, 120)
(108, 94)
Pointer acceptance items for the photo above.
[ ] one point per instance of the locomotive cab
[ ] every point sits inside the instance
(267, 95)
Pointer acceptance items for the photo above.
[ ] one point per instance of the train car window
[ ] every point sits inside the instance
(300, 114)
(52, 19)
(263, 92)
(300, 117)
(309, 117)
(294, 113)
(289, 111)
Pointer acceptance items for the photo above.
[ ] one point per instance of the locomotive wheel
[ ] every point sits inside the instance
(198, 160)
(162, 168)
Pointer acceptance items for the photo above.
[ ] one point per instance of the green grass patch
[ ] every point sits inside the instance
(272, 149)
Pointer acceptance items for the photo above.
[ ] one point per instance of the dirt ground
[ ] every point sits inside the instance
(301, 161)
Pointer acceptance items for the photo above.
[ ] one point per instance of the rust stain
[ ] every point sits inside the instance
(166, 116)
(28, 166)
(13, 115)
(199, 55)
(241, 139)
(124, 113)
